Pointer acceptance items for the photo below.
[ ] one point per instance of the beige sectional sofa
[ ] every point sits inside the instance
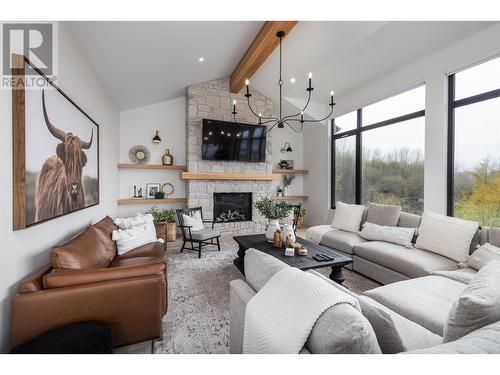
(387, 262)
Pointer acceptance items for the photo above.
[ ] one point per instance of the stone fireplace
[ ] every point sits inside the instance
(232, 207)
(213, 100)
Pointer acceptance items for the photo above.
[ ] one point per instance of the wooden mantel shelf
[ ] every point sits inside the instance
(301, 171)
(150, 200)
(151, 166)
(291, 198)
(228, 176)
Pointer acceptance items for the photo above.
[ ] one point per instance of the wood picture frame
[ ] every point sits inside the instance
(77, 191)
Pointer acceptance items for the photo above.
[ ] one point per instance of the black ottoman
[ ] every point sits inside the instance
(76, 338)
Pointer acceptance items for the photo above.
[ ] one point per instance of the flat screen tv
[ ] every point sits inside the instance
(233, 142)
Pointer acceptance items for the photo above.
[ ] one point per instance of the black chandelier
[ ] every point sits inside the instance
(271, 122)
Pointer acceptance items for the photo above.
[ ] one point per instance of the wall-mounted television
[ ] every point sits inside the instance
(230, 141)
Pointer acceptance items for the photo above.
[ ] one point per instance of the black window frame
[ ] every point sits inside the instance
(358, 133)
(452, 105)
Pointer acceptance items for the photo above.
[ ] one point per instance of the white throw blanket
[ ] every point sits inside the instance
(315, 234)
(280, 317)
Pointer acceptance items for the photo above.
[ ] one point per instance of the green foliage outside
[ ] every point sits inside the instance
(273, 210)
(477, 193)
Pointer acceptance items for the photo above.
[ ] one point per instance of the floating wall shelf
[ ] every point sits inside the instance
(150, 200)
(151, 166)
(291, 198)
(299, 171)
(228, 176)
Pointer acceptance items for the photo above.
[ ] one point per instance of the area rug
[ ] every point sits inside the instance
(197, 320)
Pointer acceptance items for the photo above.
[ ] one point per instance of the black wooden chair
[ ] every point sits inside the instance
(201, 237)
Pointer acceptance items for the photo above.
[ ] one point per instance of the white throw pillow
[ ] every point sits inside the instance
(484, 254)
(130, 222)
(132, 238)
(447, 236)
(477, 306)
(194, 221)
(397, 235)
(348, 217)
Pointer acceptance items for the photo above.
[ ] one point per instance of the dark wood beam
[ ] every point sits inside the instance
(264, 43)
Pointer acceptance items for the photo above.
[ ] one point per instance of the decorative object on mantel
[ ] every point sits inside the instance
(280, 122)
(280, 191)
(287, 181)
(165, 221)
(286, 148)
(167, 159)
(139, 154)
(139, 194)
(152, 189)
(159, 195)
(167, 188)
(286, 164)
(274, 212)
(156, 138)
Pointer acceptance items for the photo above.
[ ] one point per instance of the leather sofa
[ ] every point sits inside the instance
(88, 281)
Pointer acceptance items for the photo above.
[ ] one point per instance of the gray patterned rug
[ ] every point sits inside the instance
(197, 319)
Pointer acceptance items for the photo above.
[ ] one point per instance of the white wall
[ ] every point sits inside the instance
(23, 252)
(137, 127)
(432, 70)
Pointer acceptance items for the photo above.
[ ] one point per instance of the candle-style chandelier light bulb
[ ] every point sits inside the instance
(282, 120)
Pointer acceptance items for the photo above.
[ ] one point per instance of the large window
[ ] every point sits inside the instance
(378, 153)
(474, 143)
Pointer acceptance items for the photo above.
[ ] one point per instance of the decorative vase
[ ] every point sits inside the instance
(285, 191)
(167, 159)
(271, 228)
(171, 232)
(287, 230)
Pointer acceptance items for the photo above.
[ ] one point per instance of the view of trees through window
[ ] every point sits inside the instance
(475, 121)
(391, 152)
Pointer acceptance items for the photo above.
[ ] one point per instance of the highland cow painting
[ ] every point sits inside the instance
(60, 158)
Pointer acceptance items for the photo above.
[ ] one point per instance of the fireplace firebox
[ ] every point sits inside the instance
(232, 207)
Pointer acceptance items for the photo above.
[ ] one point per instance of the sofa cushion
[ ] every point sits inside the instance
(479, 258)
(155, 249)
(383, 214)
(411, 262)
(205, 234)
(105, 229)
(397, 235)
(407, 220)
(425, 300)
(348, 217)
(260, 267)
(447, 236)
(463, 275)
(341, 240)
(395, 333)
(477, 306)
(134, 261)
(494, 236)
(84, 251)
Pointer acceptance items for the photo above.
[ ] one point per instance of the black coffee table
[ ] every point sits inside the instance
(259, 242)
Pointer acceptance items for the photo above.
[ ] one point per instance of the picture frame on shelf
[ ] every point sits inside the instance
(152, 189)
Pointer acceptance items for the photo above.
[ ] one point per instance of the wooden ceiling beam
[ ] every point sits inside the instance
(262, 46)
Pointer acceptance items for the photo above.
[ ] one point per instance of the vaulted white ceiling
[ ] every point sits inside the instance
(142, 63)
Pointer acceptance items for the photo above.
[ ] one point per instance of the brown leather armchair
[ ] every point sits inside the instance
(86, 281)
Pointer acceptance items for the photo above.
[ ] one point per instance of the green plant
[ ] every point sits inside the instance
(159, 195)
(302, 213)
(162, 216)
(273, 210)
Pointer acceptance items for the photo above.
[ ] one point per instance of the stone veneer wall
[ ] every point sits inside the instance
(212, 100)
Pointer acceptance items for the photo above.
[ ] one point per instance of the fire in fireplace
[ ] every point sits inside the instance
(232, 207)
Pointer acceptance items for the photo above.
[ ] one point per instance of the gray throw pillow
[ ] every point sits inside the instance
(383, 214)
(477, 306)
(494, 236)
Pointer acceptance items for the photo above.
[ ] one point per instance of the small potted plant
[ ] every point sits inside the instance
(302, 214)
(274, 212)
(164, 222)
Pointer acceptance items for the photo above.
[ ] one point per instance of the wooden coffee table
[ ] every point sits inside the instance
(259, 242)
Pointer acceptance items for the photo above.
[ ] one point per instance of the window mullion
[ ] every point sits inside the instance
(358, 157)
